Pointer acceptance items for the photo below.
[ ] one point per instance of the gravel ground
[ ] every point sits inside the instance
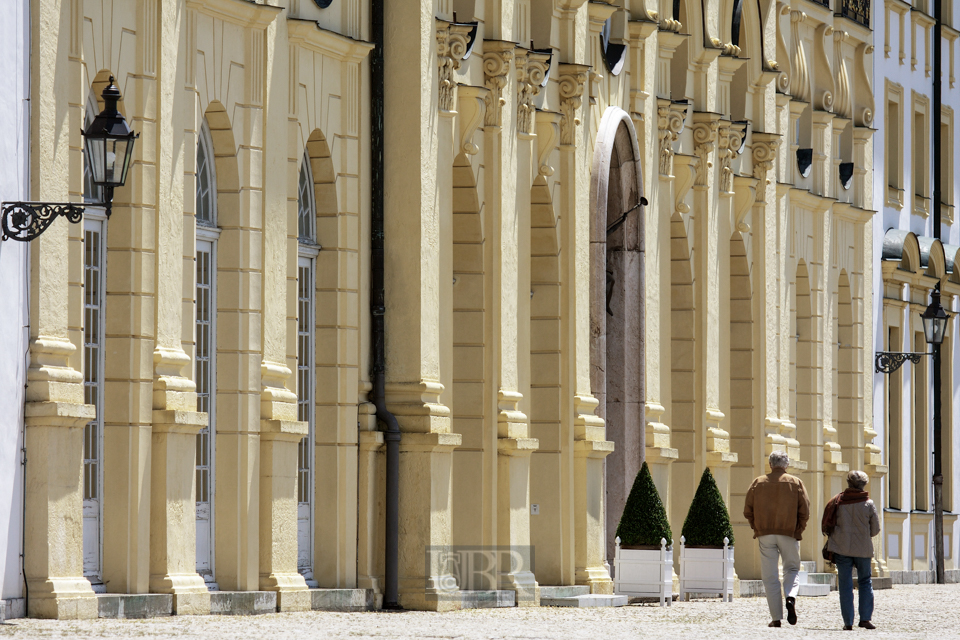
(921, 611)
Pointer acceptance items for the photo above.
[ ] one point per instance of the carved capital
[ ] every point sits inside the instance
(705, 127)
(670, 119)
(685, 167)
(730, 137)
(452, 41)
(497, 56)
(764, 152)
(572, 79)
(532, 70)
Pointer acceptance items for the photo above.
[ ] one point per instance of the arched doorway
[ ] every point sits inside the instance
(617, 305)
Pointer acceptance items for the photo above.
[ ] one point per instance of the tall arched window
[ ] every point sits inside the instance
(94, 296)
(306, 204)
(306, 379)
(206, 346)
(206, 210)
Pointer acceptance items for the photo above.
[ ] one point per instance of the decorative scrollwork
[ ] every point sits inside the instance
(24, 221)
(890, 361)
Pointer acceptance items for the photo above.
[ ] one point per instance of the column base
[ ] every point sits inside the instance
(597, 578)
(415, 596)
(190, 594)
(62, 599)
(291, 588)
(524, 584)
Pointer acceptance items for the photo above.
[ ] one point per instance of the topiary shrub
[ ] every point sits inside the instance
(708, 522)
(644, 520)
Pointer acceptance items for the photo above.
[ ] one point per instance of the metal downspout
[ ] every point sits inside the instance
(937, 382)
(391, 428)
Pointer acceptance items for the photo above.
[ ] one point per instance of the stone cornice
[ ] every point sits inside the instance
(309, 35)
(239, 12)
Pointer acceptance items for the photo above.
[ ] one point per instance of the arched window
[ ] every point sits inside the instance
(206, 209)
(306, 205)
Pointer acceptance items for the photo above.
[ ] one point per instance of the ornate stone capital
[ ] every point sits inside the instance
(670, 118)
(764, 152)
(705, 127)
(572, 80)
(452, 40)
(532, 70)
(548, 129)
(730, 137)
(497, 56)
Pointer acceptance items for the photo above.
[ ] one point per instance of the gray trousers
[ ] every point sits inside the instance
(773, 548)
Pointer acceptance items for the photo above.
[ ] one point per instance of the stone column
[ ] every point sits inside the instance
(55, 413)
(413, 281)
(280, 432)
(176, 422)
(279, 444)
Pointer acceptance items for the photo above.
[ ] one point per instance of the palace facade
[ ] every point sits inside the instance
(614, 231)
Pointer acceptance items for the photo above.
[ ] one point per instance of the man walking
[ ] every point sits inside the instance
(777, 509)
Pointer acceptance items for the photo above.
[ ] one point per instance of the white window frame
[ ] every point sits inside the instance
(95, 219)
(307, 258)
(207, 237)
(311, 237)
(204, 139)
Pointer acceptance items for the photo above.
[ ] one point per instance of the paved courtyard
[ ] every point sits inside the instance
(922, 611)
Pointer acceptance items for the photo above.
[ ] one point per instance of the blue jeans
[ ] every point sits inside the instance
(845, 565)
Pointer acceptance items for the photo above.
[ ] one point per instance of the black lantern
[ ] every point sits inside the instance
(108, 145)
(934, 320)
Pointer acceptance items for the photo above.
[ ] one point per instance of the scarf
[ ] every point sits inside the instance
(847, 496)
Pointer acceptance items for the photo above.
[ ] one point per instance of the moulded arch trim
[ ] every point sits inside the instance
(932, 258)
(224, 148)
(610, 123)
(901, 246)
(951, 253)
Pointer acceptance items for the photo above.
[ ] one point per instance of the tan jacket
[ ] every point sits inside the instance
(777, 504)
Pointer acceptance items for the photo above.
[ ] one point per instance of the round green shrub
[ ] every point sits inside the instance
(644, 520)
(707, 522)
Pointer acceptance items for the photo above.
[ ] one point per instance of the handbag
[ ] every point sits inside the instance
(827, 554)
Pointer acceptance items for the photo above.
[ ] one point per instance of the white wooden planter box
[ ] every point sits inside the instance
(706, 570)
(644, 573)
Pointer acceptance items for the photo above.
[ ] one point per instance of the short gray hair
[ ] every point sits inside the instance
(857, 479)
(779, 460)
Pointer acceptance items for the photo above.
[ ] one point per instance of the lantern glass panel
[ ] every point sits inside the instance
(96, 158)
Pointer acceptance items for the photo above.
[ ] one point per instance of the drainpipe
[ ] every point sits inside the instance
(937, 382)
(391, 429)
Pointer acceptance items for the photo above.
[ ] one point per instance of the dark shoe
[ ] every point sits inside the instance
(866, 624)
(775, 623)
(848, 627)
(792, 610)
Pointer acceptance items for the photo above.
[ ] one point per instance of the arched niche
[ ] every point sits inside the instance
(617, 292)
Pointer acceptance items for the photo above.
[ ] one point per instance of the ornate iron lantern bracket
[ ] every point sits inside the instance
(890, 361)
(24, 221)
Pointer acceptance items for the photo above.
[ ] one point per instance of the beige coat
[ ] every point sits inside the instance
(857, 523)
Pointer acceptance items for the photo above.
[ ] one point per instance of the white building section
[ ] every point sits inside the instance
(14, 185)
(908, 263)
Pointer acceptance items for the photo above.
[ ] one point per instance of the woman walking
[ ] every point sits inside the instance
(850, 519)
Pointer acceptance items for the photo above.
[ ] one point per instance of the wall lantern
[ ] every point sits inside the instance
(108, 144)
(934, 320)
